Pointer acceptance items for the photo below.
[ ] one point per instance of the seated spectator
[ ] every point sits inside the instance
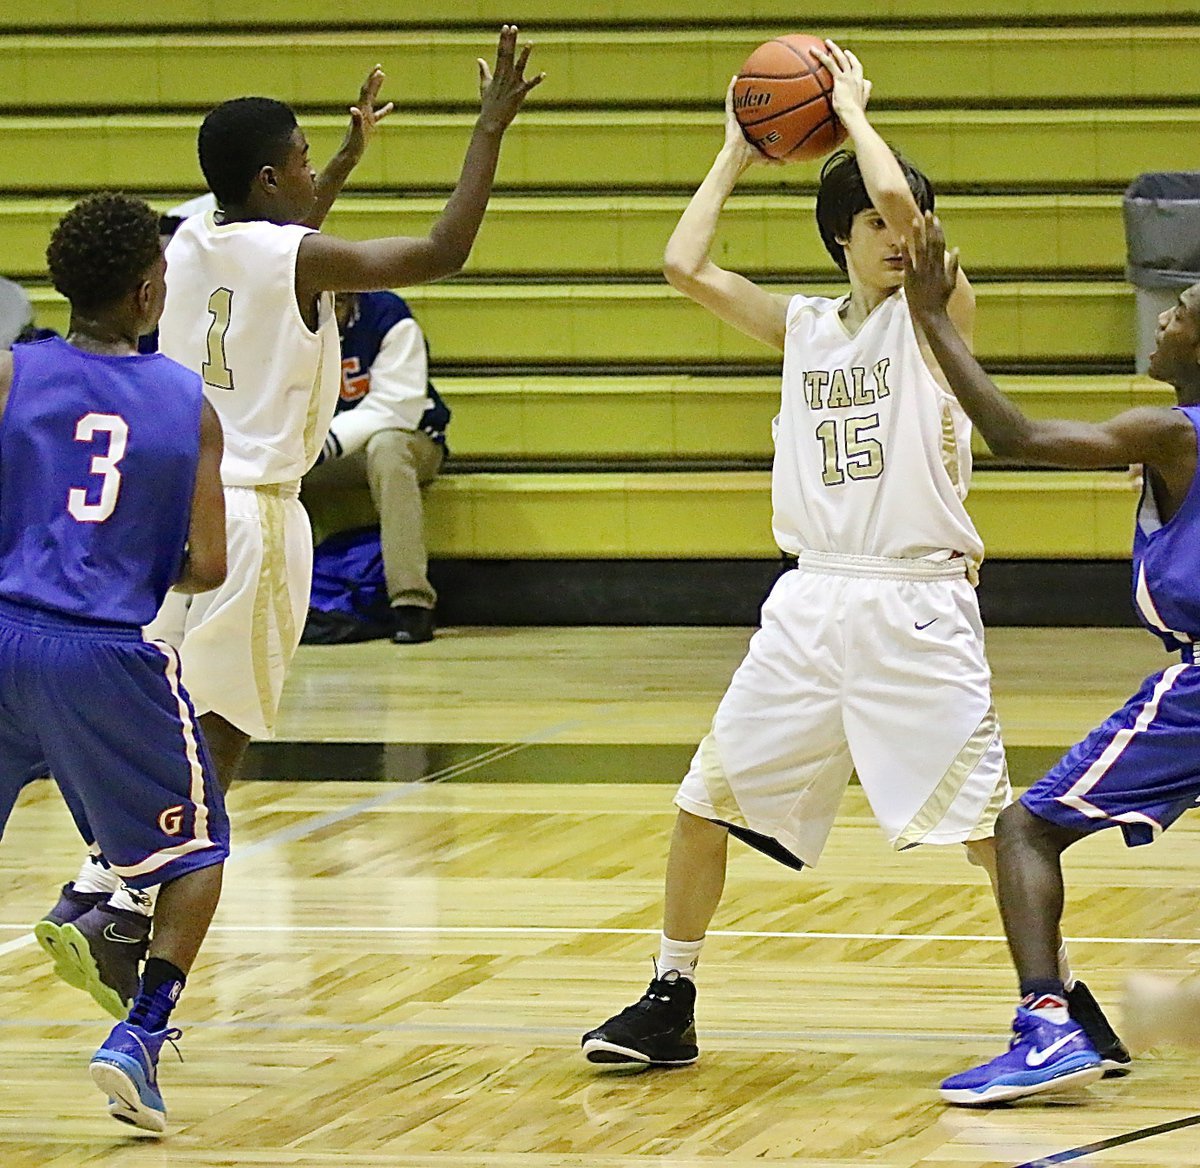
(389, 435)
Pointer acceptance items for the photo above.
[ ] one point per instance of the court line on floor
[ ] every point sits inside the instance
(466, 1029)
(586, 931)
(1143, 1133)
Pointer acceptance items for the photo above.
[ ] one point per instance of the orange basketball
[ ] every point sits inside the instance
(783, 100)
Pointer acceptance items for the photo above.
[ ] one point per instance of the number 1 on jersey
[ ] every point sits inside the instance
(215, 370)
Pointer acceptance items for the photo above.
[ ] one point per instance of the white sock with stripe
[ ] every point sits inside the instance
(135, 900)
(681, 956)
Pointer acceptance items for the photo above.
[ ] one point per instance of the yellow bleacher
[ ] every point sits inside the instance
(561, 348)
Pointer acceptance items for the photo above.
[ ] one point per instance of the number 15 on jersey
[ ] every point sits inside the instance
(852, 452)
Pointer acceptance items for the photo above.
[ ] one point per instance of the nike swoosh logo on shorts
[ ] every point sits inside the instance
(1035, 1058)
(110, 934)
(925, 625)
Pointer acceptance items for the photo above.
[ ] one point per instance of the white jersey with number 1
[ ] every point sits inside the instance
(872, 455)
(231, 315)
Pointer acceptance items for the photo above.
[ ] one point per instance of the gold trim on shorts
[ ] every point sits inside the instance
(950, 786)
(272, 597)
(720, 793)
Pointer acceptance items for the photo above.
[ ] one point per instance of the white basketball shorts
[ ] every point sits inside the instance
(236, 642)
(867, 665)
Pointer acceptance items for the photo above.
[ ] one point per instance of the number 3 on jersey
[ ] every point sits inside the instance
(104, 465)
(215, 370)
(853, 455)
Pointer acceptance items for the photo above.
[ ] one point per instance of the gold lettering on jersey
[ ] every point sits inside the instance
(839, 395)
(215, 370)
(832, 390)
(880, 372)
(815, 381)
(863, 395)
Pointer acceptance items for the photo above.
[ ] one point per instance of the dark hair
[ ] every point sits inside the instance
(102, 249)
(238, 139)
(169, 224)
(843, 194)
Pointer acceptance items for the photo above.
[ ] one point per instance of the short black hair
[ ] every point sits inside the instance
(169, 224)
(239, 138)
(843, 194)
(102, 249)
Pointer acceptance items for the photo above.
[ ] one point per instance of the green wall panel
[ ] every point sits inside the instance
(1023, 515)
(617, 150)
(700, 417)
(496, 324)
(36, 14)
(619, 236)
(669, 69)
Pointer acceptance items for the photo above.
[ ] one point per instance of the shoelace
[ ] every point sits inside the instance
(649, 1002)
(1022, 1024)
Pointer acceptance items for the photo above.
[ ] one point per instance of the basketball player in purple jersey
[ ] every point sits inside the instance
(1140, 770)
(110, 495)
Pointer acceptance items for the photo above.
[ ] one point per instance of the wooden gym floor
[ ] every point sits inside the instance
(399, 972)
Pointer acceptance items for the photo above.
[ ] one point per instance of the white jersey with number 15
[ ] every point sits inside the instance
(872, 455)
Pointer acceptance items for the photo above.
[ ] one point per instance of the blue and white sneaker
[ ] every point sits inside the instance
(125, 1068)
(1042, 1056)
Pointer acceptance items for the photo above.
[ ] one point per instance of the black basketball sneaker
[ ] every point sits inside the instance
(659, 1029)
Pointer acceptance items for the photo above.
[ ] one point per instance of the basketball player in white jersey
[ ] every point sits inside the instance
(250, 308)
(870, 656)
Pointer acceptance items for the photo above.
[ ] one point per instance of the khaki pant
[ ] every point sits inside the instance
(394, 465)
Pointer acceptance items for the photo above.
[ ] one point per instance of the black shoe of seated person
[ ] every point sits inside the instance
(411, 625)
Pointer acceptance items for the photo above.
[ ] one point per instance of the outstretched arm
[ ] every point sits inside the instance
(364, 117)
(687, 264)
(327, 264)
(1163, 439)
(882, 175)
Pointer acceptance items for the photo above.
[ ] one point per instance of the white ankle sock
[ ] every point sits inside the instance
(1048, 1006)
(136, 900)
(681, 956)
(96, 876)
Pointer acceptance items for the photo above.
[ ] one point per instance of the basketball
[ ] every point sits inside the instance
(782, 100)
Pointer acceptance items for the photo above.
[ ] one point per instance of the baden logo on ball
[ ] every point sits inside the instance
(783, 99)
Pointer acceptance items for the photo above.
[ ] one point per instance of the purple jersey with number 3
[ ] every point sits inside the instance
(98, 460)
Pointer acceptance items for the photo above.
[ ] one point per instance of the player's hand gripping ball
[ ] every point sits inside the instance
(783, 99)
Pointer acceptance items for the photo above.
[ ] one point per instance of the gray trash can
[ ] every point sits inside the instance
(1162, 240)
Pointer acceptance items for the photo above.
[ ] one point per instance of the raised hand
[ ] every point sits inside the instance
(364, 116)
(851, 89)
(930, 275)
(743, 150)
(501, 92)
